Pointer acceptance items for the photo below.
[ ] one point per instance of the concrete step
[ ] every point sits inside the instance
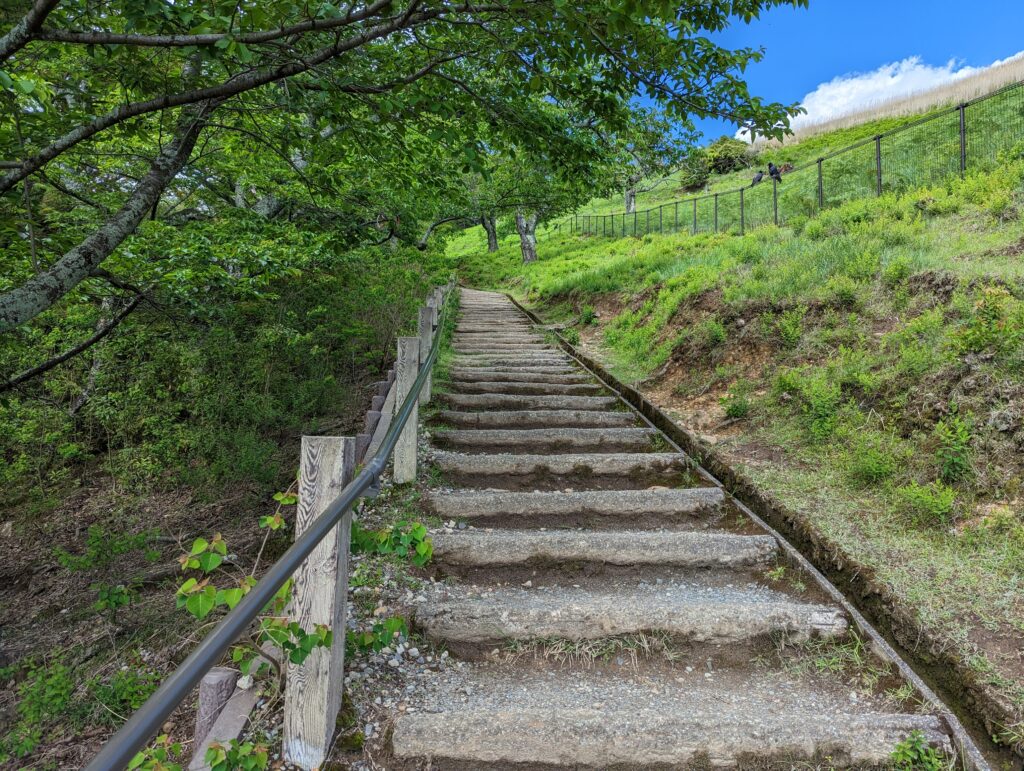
(481, 375)
(507, 419)
(488, 717)
(513, 402)
(630, 506)
(631, 468)
(686, 610)
(510, 360)
(546, 440)
(492, 548)
(474, 370)
(533, 389)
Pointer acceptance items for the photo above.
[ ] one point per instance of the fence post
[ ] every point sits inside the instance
(613, 226)
(604, 225)
(647, 229)
(313, 689)
(675, 221)
(878, 164)
(716, 212)
(775, 200)
(821, 186)
(743, 219)
(695, 216)
(963, 139)
(426, 339)
(634, 221)
(406, 368)
(661, 218)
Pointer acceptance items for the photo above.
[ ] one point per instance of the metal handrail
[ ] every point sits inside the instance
(147, 720)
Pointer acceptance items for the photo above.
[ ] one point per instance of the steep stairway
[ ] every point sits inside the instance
(611, 610)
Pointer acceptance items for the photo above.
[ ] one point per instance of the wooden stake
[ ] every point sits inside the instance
(406, 367)
(426, 340)
(313, 691)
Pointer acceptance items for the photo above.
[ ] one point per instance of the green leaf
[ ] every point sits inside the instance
(201, 603)
(210, 561)
(199, 546)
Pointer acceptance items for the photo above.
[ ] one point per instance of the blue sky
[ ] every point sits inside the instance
(811, 46)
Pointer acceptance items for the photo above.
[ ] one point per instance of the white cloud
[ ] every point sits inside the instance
(855, 91)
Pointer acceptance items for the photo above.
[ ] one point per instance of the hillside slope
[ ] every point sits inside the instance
(865, 369)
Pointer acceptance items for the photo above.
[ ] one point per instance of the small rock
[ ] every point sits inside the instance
(527, 584)
(244, 682)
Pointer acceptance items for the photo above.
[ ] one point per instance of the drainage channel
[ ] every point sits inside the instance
(976, 749)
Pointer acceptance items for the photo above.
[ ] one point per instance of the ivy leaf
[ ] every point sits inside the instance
(210, 561)
(199, 546)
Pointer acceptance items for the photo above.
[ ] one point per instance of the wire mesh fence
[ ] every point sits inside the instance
(972, 136)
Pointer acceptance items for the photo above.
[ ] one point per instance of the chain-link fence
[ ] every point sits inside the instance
(971, 136)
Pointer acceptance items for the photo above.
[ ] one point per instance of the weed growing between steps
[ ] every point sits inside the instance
(866, 369)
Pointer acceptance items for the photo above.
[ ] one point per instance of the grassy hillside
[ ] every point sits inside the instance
(924, 153)
(866, 367)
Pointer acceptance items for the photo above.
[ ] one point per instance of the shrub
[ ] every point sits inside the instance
(123, 693)
(870, 460)
(790, 326)
(896, 272)
(572, 336)
(954, 452)
(726, 154)
(930, 504)
(712, 333)
(842, 291)
(915, 754)
(588, 315)
(736, 401)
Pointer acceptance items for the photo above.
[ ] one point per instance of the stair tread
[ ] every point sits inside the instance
(502, 716)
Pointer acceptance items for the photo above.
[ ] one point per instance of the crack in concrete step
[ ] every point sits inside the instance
(621, 464)
(528, 389)
(479, 548)
(690, 611)
(499, 419)
(513, 402)
(480, 375)
(628, 504)
(552, 440)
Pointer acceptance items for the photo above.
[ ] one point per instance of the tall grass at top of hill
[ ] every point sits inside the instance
(923, 153)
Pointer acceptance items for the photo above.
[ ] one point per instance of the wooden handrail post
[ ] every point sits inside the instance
(426, 339)
(406, 369)
(313, 690)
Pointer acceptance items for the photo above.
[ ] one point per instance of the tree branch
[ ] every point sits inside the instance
(231, 87)
(46, 366)
(24, 303)
(22, 32)
(212, 38)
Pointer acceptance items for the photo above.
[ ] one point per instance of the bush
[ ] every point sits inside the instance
(896, 272)
(954, 452)
(790, 326)
(915, 754)
(870, 460)
(736, 401)
(842, 291)
(712, 333)
(572, 336)
(930, 504)
(588, 315)
(726, 154)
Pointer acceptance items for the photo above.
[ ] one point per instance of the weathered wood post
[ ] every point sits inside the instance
(426, 340)
(313, 691)
(406, 368)
(215, 689)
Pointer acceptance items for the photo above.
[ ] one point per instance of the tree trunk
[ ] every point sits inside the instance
(630, 199)
(491, 226)
(27, 301)
(526, 226)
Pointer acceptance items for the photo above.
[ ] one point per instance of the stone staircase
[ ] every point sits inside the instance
(611, 611)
